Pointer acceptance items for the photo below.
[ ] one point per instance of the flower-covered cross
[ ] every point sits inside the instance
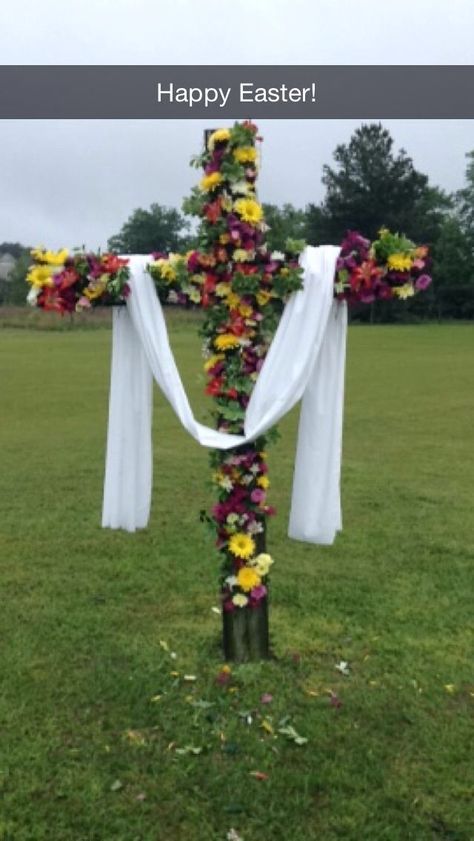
(241, 286)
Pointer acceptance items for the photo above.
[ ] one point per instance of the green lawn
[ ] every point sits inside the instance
(96, 717)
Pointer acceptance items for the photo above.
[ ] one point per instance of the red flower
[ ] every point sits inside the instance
(365, 275)
(214, 387)
(112, 263)
(237, 325)
(51, 300)
(213, 211)
(67, 278)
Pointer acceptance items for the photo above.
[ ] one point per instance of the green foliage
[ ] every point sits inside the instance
(157, 229)
(453, 272)
(98, 735)
(465, 203)
(287, 225)
(389, 242)
(16, 289)
(245, 284)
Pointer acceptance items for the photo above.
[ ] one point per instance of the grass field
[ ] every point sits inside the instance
(103, 739)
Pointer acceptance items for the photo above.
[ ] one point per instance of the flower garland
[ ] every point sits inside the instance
(242, 286)
(71, 283)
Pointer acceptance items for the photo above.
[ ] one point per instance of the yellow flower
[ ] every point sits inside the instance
(249, 210)
(213, 360)
(96, 287)
(240, 600)
(404, 292)
(40, 276)
(245, 310)
(226, 341)
(245, 154)
(221, 135)
(54, 258)
(195, 296)
(208, 183)
(400, 262)
(166, 270)
(232, 301)
(223, 289)
(263, 482)
(248, 578)
(224, 239)
(263, 298)
(242, 545)
(262, 563)
(175, 259)
(240, 255)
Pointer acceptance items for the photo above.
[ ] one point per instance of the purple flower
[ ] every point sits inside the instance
(193, 261)
(423, 282)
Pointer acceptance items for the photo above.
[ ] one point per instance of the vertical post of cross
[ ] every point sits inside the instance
(245, 630)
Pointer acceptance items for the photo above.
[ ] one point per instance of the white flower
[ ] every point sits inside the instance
(247, 479)
(240, 600)
(231, 580)
(173, 297)
(277, 255)
(243, 188)
(226, 483)
(33, 295)
(255, 527)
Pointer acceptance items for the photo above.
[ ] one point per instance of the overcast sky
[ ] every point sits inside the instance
(75, 182)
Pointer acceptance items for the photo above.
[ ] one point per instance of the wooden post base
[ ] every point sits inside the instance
(245, 633)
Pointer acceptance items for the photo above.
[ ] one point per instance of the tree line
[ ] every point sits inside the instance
(369, 184)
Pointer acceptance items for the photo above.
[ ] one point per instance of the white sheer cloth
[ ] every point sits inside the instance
(306, 360)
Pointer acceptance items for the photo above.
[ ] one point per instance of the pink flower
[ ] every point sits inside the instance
(257, 496)
(259, 592)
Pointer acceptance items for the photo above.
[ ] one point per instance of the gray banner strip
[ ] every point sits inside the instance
(212, 92)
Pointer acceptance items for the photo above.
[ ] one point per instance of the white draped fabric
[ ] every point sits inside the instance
(306, 360)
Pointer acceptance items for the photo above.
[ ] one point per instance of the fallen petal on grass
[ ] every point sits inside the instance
(232, 835)
(188, 749)
(116, 785)
(259, 775)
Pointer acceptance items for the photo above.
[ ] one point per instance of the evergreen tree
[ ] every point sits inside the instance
(370, 186)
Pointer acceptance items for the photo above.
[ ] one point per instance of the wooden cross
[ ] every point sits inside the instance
(241, 287)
